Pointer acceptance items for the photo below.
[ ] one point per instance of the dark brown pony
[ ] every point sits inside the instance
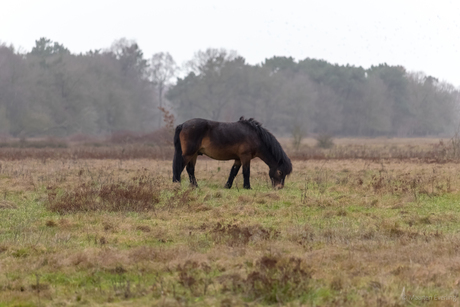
(240, 141)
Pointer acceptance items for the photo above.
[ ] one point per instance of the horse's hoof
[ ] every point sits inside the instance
(227, 186)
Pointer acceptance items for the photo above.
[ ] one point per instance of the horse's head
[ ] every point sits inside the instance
(277, 176)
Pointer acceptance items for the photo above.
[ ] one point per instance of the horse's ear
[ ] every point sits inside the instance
(242, 118)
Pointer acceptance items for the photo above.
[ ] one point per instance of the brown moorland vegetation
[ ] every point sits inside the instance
(114, 230)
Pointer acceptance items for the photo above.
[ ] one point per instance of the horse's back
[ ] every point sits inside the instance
(218, 140)
(214, 129)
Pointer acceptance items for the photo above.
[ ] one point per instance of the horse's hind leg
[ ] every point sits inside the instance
(233, 172)
(246, 173)
(191, 171)
(178, 167)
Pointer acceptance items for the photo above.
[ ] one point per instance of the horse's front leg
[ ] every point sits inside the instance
(191, 171)
(246, 173)
(233, 172)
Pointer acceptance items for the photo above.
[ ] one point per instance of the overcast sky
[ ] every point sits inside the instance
(419, 35)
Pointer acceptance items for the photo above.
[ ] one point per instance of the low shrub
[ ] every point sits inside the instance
(127, 196)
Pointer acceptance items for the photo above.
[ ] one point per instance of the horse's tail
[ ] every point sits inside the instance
(178, 162)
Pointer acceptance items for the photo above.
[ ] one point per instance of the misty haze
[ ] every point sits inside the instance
(50, 91)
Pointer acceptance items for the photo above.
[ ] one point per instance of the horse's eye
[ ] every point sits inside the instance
(279, 173)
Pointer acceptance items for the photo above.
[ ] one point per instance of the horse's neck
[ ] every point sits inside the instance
(268, 158)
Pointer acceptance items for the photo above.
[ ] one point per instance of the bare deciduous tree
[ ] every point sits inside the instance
(162, 69)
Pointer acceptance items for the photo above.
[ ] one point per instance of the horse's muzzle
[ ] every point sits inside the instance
(277, 185)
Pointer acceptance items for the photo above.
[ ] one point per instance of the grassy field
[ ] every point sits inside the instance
(79, 231)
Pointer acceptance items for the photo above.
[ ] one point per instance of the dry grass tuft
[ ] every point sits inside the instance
(278, 280)
(144, 228)
(51, 223)
(127, 196)
(244, 199)
(237, 235)
(7, 205)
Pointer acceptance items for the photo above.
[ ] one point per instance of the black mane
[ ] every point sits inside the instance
(272, 144)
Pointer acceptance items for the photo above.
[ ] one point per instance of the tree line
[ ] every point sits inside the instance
(313, 95)
(51, 91)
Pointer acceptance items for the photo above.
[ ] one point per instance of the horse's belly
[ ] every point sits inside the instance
(219, 154)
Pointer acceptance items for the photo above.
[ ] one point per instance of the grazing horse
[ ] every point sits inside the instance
(240, 141)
